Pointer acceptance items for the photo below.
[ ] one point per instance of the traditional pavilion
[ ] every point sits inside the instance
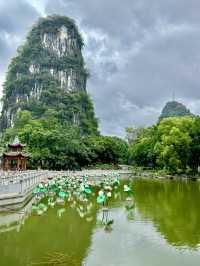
(15, 158)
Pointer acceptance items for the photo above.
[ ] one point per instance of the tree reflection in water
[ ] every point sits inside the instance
(173, 206)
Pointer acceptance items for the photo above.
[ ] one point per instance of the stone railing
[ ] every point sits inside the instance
(21, 182)
(16, 187)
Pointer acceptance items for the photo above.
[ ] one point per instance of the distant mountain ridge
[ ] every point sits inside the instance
(173, 109)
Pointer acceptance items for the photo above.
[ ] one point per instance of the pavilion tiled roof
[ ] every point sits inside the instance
(13, 153)
(16, 143)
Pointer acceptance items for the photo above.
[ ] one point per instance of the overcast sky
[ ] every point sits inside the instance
(137, 52)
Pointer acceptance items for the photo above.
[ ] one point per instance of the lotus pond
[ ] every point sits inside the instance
(75, 222)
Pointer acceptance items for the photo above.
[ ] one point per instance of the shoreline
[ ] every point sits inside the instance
(18, 198)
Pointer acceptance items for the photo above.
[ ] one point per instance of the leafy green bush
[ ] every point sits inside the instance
(171, 145)
(62, 146)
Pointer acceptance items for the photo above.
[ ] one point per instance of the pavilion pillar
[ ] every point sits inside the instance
(18, 164)
(4, 164)
(21, 164)
(8, 164)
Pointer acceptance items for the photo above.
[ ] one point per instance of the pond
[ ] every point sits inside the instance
(159, 225)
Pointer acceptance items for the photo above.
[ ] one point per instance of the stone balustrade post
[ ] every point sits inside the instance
(21, 186)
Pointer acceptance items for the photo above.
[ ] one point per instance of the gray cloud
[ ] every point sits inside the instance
(137, 52)
(16, 18)
(154, 46)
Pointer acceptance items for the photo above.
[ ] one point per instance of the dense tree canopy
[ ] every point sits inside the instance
(55, 145)
(141, 149)
(173, 145)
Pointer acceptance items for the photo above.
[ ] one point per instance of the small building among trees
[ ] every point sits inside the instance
(15, 158)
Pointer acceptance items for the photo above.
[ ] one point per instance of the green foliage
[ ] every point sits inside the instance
(194, 156)
(74, 107)
(106, 150)
(51, 24)
(132, 133)
(141, 150)
(172, 145)
(62, 146)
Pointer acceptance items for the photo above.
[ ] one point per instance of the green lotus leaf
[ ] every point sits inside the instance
(34, 207)
(101, 199)
(62, 194)
(36, 190)
(88, 190)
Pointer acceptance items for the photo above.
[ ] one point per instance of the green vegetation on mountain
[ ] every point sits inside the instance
(173, 109)
(49, 73)
(46, 104)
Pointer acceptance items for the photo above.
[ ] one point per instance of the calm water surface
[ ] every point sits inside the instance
(163, 228)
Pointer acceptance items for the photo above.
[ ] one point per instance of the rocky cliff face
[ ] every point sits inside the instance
(50, 62)
(173, 108)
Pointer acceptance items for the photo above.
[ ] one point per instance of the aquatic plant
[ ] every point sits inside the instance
(83, 195)
(108, 225)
